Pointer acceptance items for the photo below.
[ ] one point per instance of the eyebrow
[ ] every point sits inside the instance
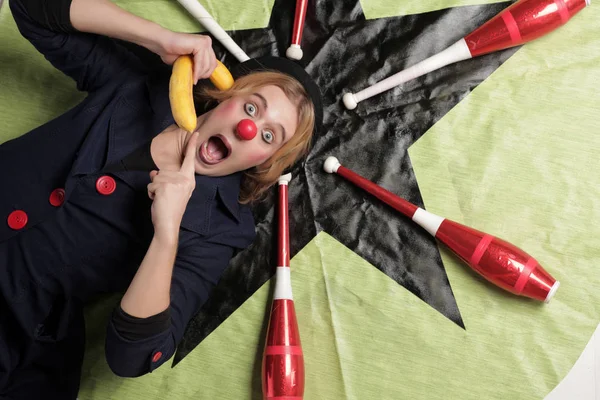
(266, 106)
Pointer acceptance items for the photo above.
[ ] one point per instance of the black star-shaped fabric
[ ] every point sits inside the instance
(345, 52)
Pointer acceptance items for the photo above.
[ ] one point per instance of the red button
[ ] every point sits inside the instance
(106, 185)
(17, 219)
(57, 197)
(156, 356)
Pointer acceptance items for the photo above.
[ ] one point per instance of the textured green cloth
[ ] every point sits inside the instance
(390, 8)
(230, 14)
(517, 158)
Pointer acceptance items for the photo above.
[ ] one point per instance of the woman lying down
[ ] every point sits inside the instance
(112, 196)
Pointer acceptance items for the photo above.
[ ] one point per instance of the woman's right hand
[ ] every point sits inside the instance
(171, 45)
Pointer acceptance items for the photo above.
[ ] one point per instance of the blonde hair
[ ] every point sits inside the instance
(257, 180)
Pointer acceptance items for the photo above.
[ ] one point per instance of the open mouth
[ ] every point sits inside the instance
(215, 150)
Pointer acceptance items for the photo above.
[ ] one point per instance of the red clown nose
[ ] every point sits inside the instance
(246, 129)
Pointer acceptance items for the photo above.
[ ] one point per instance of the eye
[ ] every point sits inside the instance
(268, 136)
(250, 109)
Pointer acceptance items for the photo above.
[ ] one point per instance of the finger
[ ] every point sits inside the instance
(204, 48)
(197, 65)
(165, 176)
(201, 65)
(196, 55)
(205, 63)
(151, 191)
(189, 161)
(153, 175)
(169, 59)
(211, 63)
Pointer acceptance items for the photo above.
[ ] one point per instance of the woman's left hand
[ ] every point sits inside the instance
(170, 191)
(173, 44)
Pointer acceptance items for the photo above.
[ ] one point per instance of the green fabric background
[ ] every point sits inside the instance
(388, 8)
(516, 158)
(231, 15)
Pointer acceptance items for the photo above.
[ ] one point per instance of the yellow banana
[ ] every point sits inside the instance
(221, 77)
(181, 89)
(180, 93)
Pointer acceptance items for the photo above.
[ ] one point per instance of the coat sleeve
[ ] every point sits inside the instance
(91, 60)
(199, 264)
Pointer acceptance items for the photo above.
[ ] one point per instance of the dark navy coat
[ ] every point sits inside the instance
(84, 243)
